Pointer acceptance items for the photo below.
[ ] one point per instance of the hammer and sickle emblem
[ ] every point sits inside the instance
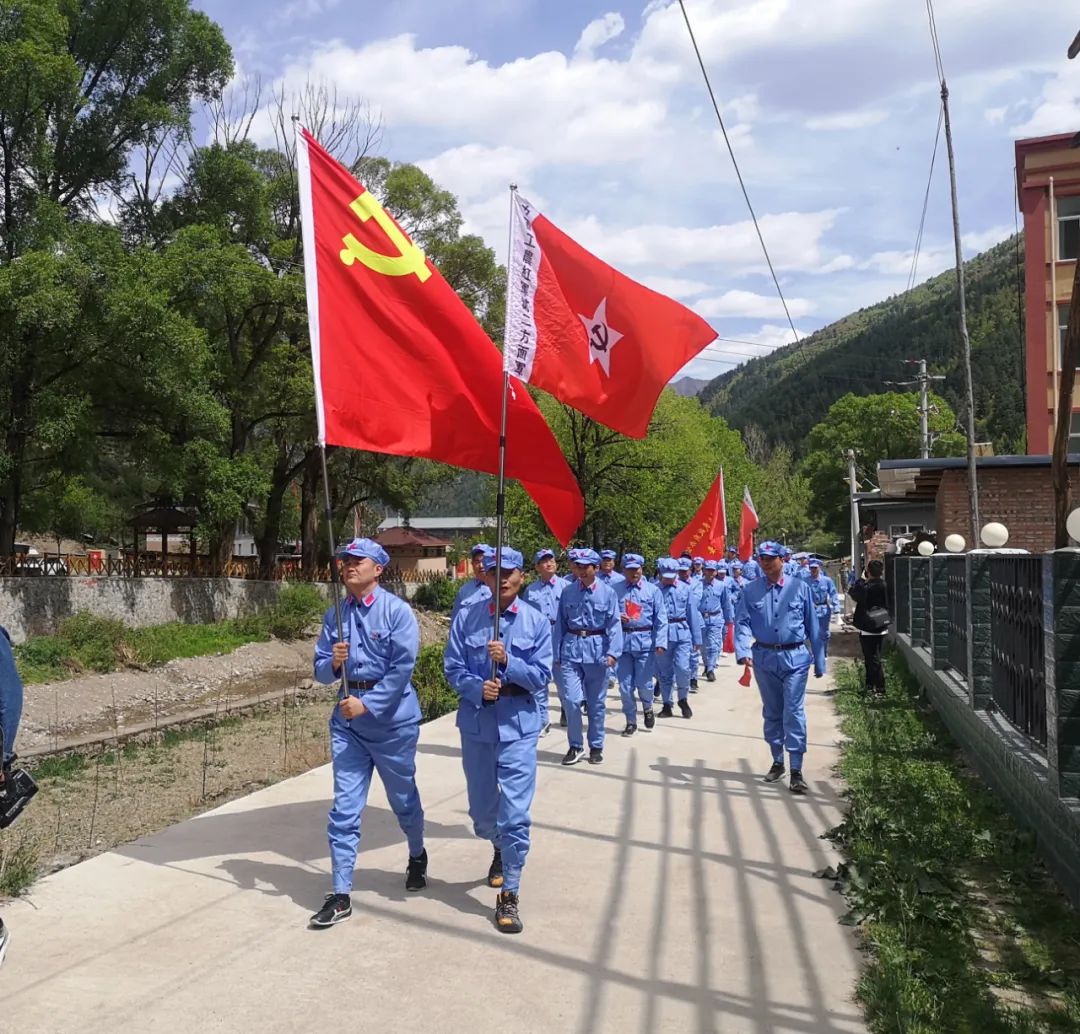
(409, 259)
(599, 337)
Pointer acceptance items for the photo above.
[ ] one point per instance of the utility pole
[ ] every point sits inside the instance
(922, 381)
(852, 483)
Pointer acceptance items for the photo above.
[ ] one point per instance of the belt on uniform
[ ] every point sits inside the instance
(779, 646)
(712, 613)
(514, 691)
(360, 687)
(675, 620)
(583, 632)
(638, 628)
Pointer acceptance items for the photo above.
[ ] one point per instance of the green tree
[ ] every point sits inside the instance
(876, 427)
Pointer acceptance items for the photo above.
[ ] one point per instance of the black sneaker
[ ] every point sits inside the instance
(797, 784)
(507, 918)
(693, 685)
(562, 718)
(416, 873)
(656, 694)
(337, 908)
(684, 706)
(596, 756)
(650, 719)
(495, 873)
(710, 677)
(573, 755)
(666, 712)
(775, 772)
(630, 729)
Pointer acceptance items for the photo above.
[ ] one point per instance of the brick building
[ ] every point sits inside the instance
(1013, 490)
(414, 552)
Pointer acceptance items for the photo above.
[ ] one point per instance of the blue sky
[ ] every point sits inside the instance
(598, 111)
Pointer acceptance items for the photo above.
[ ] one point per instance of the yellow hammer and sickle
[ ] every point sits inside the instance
(409, 259)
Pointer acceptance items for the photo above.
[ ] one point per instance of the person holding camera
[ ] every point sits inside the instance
(11, 704)
(871, 618)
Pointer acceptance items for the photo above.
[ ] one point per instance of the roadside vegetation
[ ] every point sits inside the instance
(88, 643)
(964, 930)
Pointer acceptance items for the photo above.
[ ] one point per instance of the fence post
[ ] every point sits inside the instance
(979, 652)
(920, 612)
(1061, 625)
(939, 611)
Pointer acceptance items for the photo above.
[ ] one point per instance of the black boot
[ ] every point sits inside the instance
(416, 873)
(684, 706)
(666, 712)
(709, 676)
(507, 917)
(495, 872)
(650, 719)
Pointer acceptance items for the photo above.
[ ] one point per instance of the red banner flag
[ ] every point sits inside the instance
(588, 335)
(401, 365)
(747, 526)
(704, 535)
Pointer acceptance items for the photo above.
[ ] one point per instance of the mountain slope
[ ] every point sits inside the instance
(689, 386)
(790, 390)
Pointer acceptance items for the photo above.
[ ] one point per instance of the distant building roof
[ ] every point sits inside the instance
(451, 524)
(920, 478)
(408, 537)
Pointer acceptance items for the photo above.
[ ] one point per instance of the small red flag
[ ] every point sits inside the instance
(633, 610)
(745, 679)
(401, 365)
(747, 526)
(704, 535)
(595, 339)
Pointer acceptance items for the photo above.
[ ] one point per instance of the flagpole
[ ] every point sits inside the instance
(500, 498)
(343, 693)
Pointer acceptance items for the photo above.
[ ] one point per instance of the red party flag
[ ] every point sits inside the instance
(585, 333)
(401, 365)
(633, 610)
(747, 526)
(704, 535)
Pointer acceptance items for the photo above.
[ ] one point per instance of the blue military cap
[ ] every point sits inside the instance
(685, 563)
(364, 548)
(511, 559)
(800, 556)
(668, 567)
(608, 554)
(813, 562)
(732, 549)
(543, 554)
(632, 561)
(699, 560)
(585, 556)
(770, 548)
(711, 565)
(480, 547)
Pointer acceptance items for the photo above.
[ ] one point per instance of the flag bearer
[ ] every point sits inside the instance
(717, 611)
(826, 599)
(644, 623)
(376, 727)
(588, 641)
(500, 719)
(475, 589)
(684, 639)
(543, 593)
(777, 613)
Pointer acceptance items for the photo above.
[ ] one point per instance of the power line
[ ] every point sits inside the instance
(738, 174)
(926, 201)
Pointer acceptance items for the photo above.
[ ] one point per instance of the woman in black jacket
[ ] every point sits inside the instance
(869, 594)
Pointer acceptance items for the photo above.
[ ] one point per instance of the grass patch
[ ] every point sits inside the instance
(18, 866)
(965, 931)
(86, 642)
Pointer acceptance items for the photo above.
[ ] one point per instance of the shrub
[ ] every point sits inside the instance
(94, 642)
(429, 680)
(297, 608)
(438, 595)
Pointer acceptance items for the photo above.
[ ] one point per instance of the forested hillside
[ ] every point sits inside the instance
(789, 391)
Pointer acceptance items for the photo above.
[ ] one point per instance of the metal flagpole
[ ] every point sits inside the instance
(344, 690)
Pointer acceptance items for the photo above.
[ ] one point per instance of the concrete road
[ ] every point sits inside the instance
(667, 890)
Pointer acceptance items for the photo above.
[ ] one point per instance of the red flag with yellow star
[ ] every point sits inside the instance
(585, 333)
(706, 534)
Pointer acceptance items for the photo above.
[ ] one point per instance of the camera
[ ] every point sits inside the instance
(16, 791)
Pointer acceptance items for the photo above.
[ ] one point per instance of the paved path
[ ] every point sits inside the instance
(668, 890)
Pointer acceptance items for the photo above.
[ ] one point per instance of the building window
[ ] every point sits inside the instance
(1063, 327)
(896, 530)
(1074, 432)
(1068, 217)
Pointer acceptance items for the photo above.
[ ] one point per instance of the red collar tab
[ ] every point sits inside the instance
(369, 599)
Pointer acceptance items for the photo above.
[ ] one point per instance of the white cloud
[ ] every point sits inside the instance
(747, 304)
(598, 32)
(1057, 109)
(724, 354)
(996, 116)
(475, 170)
(674, 287)
(936, 258)
(848, 120)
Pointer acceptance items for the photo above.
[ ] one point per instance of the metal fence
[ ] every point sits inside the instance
(902, 597)
(957, 623)
(1017, 644)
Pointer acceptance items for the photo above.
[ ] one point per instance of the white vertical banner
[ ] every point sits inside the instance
(522, 271)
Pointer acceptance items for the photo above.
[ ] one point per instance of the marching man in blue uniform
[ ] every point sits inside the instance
(644, 620)
(717, 611)
(607, 572)
(500, 717)
(475, 589)
(588, 642)
(826, 599)
(376, 727)
(686, 577)
(684, 639)
(544, 594)
(774, 620)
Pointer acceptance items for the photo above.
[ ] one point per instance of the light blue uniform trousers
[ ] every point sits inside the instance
(781, 680)
(393, 756)
(586, 682)
(714, 640)
(673, 666)
(636, 672)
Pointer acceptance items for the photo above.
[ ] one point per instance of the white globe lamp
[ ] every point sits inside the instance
(926, 548)
(994, 535)
(955, 543)
(1072, 525)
